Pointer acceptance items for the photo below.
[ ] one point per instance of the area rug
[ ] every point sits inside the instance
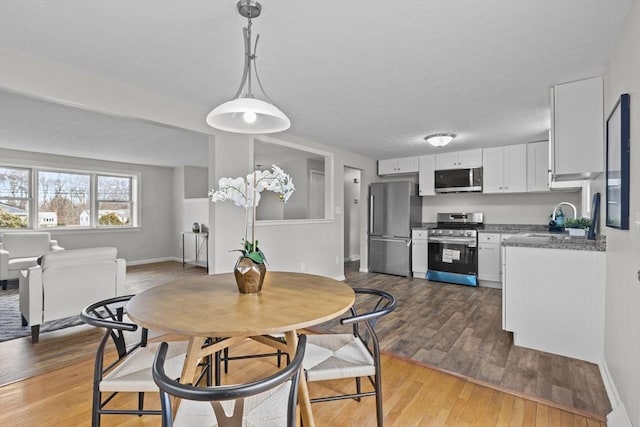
(11, 319)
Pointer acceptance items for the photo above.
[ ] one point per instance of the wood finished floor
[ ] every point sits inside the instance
(433, 320)
(68, 346)
(458, 329)
(413, 396)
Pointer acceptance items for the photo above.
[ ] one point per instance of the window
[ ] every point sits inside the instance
(114, 200)
(63, 199)
(44, 198)
(15, 197)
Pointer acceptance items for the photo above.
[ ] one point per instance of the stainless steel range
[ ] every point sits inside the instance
(453, 248)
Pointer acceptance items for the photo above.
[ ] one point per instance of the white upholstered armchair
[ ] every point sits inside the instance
(65, 282)
(19, 251)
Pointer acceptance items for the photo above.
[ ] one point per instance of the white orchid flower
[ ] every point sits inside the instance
(245, 192)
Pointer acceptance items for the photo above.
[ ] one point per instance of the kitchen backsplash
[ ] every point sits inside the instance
(526, 208)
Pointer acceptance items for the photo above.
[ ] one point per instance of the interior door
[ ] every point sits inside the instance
(316, 194)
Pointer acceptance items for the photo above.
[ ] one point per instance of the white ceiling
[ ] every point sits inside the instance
(370, 77)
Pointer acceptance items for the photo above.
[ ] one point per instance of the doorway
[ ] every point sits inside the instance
(352, 218)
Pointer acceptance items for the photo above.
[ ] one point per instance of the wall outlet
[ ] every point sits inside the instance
(337, 259)
(303, 267)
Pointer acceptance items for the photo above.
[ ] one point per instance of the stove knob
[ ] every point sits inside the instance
(468, 233)
(450, 232)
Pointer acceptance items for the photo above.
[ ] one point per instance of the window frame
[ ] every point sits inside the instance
(28, 199)
(33, 203)
(133, 217)
(328, 173)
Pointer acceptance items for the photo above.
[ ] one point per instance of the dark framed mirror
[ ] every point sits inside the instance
(617, 166)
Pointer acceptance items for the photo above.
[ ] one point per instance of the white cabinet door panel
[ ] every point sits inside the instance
(470, 158)
(426, 175)
(446, 161)
(538, 167)
(492, 160)
(515, 169)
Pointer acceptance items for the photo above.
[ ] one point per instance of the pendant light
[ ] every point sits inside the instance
(245, 113)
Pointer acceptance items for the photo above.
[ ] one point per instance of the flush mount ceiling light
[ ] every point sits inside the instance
(440, 139)
(245, 113)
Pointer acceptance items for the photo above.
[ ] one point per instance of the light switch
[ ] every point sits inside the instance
(338, 210)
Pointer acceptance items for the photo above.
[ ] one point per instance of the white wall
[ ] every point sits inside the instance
(196, 184)
(194, 210)
(352, 192)
(152, 241)
(526, 208)
(314, 246)
(288, 246)
(622, 323)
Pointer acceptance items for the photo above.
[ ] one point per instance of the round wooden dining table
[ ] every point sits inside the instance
(210, 306)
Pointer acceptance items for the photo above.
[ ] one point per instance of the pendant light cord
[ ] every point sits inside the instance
(250, 57)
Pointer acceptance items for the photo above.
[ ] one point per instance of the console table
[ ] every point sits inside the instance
(201, 241)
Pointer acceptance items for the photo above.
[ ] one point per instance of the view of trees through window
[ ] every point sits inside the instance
(114, 200)
(14, 197)
(64, 199)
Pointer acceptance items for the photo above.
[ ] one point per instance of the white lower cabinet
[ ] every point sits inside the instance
(489, 258)
(554, 300)
(419, 253)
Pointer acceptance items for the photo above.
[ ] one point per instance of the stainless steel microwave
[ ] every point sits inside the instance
(458, 180)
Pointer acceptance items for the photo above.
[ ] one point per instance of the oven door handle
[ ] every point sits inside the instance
(468, 242)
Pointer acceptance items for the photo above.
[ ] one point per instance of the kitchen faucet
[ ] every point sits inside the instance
(575, 211)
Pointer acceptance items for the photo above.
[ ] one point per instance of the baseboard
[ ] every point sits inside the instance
(154, 260)
(618, 417)
(489, 284)
(363, 270)
(340, 278)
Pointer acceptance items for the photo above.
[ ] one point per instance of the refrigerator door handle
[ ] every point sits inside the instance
(371, 214)
(389, 239)
(409, 242)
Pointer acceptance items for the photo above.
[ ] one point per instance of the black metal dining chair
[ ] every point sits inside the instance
(131, 370)
(269, 401)
(352, 355)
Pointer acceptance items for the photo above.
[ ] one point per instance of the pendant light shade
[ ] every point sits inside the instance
(248, 115)
(245, 113)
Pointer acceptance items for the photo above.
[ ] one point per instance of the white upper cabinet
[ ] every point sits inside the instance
(577, 130)
(538, 167)
(459, 160)
(504, 169)
(398, 166)
(426, 175)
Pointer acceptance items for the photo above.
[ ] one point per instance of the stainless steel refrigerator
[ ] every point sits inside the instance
(394, 208)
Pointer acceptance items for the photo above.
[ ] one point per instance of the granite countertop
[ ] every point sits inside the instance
(542, 239)
(557, 241)
(498, 228)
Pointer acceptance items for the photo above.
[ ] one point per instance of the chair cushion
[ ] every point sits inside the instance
(334, 356)
(78, 256)
(23, 245)
(268, 409)
(16, 264)
(134, 373)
